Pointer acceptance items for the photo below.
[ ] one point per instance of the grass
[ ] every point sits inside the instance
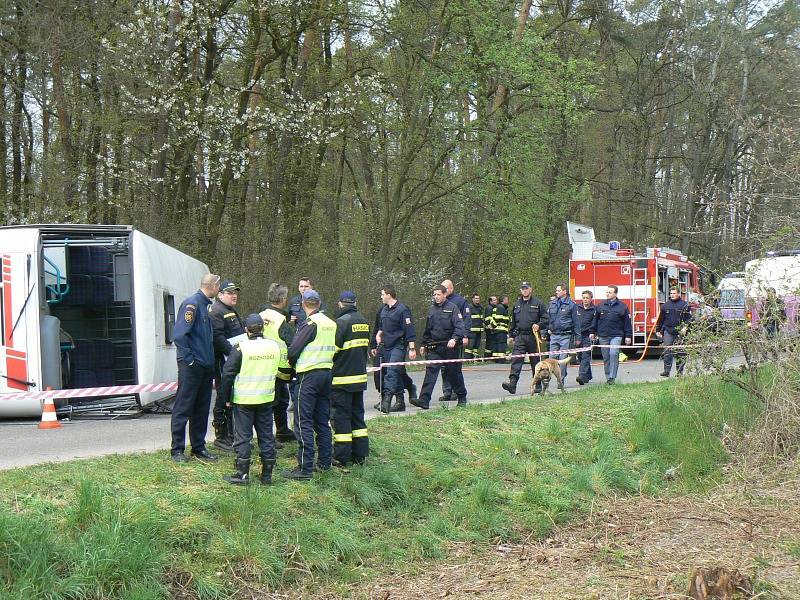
(140, 527)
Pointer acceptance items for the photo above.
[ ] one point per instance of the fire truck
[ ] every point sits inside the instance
(643, 279)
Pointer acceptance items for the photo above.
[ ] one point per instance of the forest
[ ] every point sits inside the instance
(370, 141)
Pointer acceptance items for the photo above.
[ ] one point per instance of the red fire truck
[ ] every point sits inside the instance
(643, 280)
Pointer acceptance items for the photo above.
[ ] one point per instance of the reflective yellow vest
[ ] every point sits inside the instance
(273, 319)
(255, 383)
(318, 354)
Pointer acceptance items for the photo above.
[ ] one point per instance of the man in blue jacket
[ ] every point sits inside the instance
(612, 324)
(194, 340)
(466, 314)
(564, 323)
(671, 327)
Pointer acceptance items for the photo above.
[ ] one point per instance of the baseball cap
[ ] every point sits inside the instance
(310, 295)
(228, 286)
(525, 284)
(253, 320)
(347, 297)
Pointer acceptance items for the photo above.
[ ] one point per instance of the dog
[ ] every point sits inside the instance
(545, 369)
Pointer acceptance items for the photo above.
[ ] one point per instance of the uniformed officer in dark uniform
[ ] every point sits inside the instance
(463, 307)
(194, 340)
(248, 386)
(376, 350)
(396, 335)
(444, 332)
(350, 441)
(586, 310)
(296, 313)
(473, 349)
(226, 323)
(528, 323)
(671, 326)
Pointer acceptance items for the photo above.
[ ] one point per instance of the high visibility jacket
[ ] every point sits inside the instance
(352, 343)
(318, 353)
(500, 319)
(273, 320)
(255, 383)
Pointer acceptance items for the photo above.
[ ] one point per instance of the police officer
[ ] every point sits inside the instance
(671, 326)
(528, 321)
(248, 385)
(463, 307)
(444, 333)
(311, 355)
(376, 351)
(350, 441)
(586, 310)
(562, 314)
(277, 328)
(473, 349)
(397, 336)
(296, 313)
(226, 323)
(194, 341)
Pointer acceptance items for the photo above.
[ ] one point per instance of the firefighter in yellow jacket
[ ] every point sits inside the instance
(248, 385)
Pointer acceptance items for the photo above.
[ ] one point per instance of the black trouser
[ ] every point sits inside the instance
(281, 406)
(192, 402)
(473, 349)
(452, 372)
(678, 353)
(447, 389)
(524, 343)
(350, 441)
(247, 416)
(496, 343)
(379, 376)
(222, 414)
(311, 400)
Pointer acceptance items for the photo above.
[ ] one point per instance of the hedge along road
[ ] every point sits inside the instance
(23, 444)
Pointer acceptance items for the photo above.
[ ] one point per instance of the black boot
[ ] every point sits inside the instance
(412, 392)
(399, 405)
(222, 441)
(385, 404)
(511, 385)
(267, 465)
(462, 401)
(242, 475)
(419, 404)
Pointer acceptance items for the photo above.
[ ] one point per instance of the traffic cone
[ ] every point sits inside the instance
(49, 417)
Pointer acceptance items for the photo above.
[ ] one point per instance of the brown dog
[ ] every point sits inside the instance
(545, 369)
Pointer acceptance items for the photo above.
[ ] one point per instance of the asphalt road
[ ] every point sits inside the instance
(23, 444)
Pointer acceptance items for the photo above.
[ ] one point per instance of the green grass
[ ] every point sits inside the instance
(133, 526)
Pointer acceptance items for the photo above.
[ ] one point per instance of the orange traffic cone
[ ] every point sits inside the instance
(49, 417)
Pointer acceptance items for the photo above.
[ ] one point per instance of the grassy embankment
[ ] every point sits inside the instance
(142, 527)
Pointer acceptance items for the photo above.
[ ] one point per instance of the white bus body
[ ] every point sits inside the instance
(87, 306)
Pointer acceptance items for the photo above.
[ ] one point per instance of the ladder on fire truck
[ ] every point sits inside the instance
(639, 289)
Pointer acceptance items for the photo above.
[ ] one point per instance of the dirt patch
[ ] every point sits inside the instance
(634, 548)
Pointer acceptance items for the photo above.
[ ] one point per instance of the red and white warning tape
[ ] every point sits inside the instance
(171, 386)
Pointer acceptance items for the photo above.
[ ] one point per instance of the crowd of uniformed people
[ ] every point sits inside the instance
(292, 353)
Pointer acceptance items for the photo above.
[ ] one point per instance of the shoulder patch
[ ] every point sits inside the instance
(408, 321)
(190, 306)
(188, 315)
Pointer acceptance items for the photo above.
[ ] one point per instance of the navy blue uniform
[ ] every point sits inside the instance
(586, 317)
(466, 314)
(397, 331)
(444, 323)
(524, 315)
(193, 337)
(674, 316)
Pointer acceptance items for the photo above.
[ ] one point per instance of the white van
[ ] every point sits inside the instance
(85, 306)
(732, 289)
(778, 270)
